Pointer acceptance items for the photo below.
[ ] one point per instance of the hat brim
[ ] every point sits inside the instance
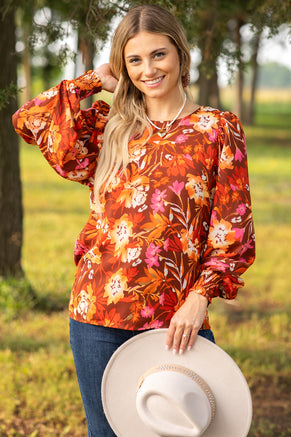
(136, 356)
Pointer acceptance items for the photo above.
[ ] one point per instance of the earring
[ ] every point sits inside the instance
(186, 80)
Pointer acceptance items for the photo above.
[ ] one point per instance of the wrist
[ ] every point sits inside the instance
(201, 292)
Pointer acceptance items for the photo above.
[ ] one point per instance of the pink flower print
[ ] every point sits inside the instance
(241, 209)
(82, 164)
(238, 155)
(239, 233)
(166, 244)
(177, 187)
(147, 312)
(213, 136)
(61, 172)
(152, 325)
(162, 299)
(181, 139)
(185, 122)
(215, 263)
(152, 255)
(157, 201)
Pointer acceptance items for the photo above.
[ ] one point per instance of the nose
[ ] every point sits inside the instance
(150, 69)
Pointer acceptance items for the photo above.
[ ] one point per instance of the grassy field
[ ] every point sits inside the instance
(40, 396)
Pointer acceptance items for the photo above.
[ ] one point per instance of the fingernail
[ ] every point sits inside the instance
(167, 347)
(181, 351)
(174, 351)
(189, 348)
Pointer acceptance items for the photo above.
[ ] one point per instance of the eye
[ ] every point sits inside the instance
(133, 60)
(159, 55)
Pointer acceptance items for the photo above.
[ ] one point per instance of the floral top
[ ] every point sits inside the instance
(177, 221)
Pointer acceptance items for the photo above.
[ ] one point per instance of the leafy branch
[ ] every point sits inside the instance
(8, 93)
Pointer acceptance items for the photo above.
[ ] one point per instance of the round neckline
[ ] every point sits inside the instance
(160, 123)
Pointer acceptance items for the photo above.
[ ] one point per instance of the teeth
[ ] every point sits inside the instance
(152, 82)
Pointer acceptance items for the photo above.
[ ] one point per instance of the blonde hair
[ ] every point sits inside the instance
(127, 116)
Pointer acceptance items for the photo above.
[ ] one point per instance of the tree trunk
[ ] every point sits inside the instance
(209, 94)
(26, 61)
(10, 184)
(239, 106)
(208, 87)
(255, 70)
(87, 49)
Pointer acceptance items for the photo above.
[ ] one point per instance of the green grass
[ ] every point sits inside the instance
(38, 377)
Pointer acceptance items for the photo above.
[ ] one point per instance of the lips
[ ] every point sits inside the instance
(153, 82)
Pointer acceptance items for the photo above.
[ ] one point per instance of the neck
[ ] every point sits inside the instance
(165, 108)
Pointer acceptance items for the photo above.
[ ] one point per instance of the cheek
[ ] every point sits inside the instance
(131, 73)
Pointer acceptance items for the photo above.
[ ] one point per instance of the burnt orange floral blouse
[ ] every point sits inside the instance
(178, 221)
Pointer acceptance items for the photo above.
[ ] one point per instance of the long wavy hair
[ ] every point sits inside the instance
(127, 116)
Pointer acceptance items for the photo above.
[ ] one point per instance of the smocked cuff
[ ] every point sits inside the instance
(87, 84)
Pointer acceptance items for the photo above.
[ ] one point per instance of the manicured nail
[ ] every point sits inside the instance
(167, 347)
(189, 348)
(174, 351)
(181, 351)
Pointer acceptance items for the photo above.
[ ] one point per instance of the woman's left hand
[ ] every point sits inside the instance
(186, 323)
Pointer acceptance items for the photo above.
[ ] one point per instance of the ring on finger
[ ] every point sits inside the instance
(185, 335)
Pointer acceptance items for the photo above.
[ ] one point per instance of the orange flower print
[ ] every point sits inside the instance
(112, 318)
(114, 183)
(226, 158)
(120, 234)
(205, 122)
(54, 137)
(115, 287)
(86, 301)
(135, 191)
(197, 189)
(221, 234)
(135, 154)
(35, 124)
(94, 255)
(46, 95)
(132, 255)
(188, 245)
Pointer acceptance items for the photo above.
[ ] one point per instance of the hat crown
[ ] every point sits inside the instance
(174, 401)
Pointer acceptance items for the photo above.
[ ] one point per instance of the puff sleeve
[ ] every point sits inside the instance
(230, 244)
(69, 138)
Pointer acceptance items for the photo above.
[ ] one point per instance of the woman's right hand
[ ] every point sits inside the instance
(109, 82)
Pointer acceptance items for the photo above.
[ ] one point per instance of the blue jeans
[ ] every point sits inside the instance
(92, 347)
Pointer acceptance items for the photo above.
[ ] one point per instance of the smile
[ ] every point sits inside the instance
(153, 81)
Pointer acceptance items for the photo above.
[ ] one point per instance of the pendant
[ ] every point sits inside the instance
(162, 133)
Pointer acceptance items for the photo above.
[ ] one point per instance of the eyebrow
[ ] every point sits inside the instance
(152, 53)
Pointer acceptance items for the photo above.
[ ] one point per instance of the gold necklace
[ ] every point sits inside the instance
(164, 130)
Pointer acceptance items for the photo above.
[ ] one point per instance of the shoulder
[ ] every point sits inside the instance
(221, 121)
(216, 114)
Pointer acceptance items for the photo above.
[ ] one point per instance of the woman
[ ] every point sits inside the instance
(170, 226)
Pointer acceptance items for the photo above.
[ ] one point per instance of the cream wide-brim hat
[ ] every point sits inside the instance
(150, 392)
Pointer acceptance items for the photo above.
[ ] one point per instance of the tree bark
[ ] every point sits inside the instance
(208, 87)
(255, 71)
(26, 61)
(239, 106)
(87, 50)
(209, 94)
(10, 183)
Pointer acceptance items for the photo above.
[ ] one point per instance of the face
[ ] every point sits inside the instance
(153, 65)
